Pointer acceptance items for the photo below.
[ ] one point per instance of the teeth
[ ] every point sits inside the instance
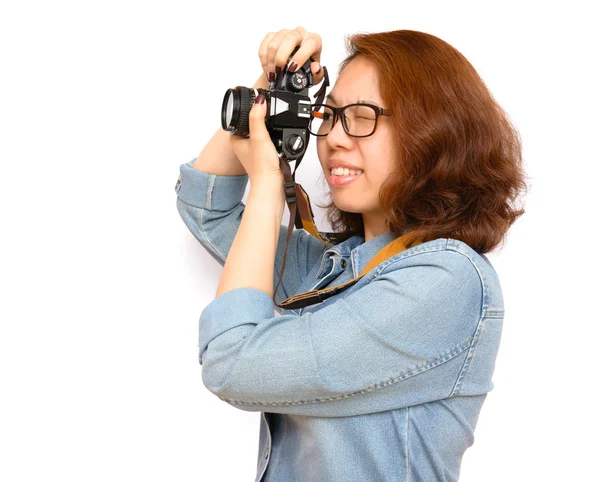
(342, 171)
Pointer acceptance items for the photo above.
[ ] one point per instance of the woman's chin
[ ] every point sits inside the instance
(347, 207)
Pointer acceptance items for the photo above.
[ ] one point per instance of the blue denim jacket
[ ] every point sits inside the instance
(382, 382)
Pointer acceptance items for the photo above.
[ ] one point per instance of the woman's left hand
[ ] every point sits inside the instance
(258, 154)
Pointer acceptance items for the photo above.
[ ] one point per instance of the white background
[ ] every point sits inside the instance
(102, 284)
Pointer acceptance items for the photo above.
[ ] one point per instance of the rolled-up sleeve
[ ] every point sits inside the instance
(401, 339)
(211, 207)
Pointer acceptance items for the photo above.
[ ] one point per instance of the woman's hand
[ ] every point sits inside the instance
(276, 48)
(258, 154)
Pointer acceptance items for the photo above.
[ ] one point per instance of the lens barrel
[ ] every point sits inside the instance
(237, 104)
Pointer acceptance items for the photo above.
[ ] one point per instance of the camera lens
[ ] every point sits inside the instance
(237, 104)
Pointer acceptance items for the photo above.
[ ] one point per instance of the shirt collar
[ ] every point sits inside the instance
(361, 252)
(345, 247)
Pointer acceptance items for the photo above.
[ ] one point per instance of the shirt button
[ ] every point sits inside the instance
(178, 184)
(343, 263)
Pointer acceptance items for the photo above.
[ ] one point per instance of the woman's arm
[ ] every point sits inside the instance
(251, 260)
(412, 331)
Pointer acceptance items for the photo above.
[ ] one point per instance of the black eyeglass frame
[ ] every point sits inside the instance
(337, 114)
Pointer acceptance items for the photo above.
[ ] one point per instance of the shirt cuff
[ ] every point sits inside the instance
(240, 306)
(209, 191)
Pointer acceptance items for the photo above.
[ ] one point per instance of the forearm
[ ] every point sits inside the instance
(217, 156)
(251, 259)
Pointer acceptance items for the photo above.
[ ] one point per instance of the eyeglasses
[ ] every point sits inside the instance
(358, 120)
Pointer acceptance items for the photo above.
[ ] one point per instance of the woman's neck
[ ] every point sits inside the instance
(375, 224)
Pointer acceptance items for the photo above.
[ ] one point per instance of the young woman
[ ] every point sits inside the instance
(385, 380)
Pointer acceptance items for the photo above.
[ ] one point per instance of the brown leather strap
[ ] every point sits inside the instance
(300, 213)
(289, 186)
(320, 95)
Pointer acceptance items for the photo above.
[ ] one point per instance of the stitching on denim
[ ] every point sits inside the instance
(203, 239)
(407, 254)
(211, 185)
(497, 314)
(484, 290)
(470, 355)
(268, 443)
(485, 312)
(209, 245)
(441, 359)
(355, 263)
(407, 444)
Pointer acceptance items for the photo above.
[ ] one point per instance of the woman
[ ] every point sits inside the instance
(385, 380)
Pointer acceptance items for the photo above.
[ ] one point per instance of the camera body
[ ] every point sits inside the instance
(288, 110)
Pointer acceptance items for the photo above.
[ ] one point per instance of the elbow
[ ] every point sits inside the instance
(218, 364)
(212, 377)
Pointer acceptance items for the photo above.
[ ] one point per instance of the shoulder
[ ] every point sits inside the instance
(449, 264)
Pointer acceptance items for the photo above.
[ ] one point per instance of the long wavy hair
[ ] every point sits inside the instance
(459, 166)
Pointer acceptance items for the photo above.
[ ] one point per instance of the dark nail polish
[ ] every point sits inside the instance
(260, 99)
(293, 67)
(271, 76)
(277, 69)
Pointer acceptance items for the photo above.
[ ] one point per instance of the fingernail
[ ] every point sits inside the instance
(260, 99)
(277, 69)
(293, 67)
(271, 76)
(319, 70)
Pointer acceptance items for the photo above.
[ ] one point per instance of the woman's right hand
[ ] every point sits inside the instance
(277, 47)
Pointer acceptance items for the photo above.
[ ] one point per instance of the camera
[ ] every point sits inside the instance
(288, 110)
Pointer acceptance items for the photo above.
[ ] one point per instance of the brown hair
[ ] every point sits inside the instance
(459, 156)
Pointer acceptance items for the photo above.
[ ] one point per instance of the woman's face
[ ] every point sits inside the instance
(374, 155)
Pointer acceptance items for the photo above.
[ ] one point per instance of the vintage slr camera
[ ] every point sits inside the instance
(288, 110)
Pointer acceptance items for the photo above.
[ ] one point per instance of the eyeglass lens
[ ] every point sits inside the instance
(359, 120)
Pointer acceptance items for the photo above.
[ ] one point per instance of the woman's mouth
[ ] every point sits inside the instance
(339, 176)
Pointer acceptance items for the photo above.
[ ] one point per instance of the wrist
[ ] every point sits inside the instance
(267, 192)
(268, 178)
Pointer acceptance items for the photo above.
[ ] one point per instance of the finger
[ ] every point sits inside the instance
(317, 71)
(288, 43)
(256, 119)
(272, 47)
(310, 48)
(262, 52)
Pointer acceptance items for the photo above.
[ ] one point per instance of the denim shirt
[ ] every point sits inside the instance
(382, 382)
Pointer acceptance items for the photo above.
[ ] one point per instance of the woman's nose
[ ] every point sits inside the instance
(337, 135)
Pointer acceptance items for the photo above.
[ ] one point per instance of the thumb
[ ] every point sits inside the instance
(256, 119)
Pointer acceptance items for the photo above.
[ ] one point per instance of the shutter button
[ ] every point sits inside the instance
(343, 263)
